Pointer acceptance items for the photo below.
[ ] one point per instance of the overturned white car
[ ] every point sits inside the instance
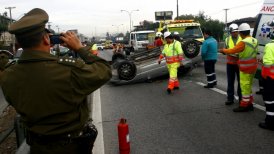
(143, 65)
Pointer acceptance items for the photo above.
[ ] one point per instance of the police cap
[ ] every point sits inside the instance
(31, 23)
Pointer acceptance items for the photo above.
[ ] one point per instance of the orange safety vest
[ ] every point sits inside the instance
(172, 57)
(247, 59)
(268, 63)
(268, 71)
(232, 58)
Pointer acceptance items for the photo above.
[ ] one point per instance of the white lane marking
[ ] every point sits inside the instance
(224, 93)
(97, 119)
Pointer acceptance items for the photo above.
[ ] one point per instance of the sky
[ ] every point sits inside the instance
(97, 17)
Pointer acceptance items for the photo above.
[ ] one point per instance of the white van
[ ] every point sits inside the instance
(140, 39)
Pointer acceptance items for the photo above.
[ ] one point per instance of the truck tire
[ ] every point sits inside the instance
(126, 70)
(117, 56)
(191, 48)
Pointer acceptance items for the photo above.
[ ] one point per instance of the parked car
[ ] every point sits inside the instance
(100, 46)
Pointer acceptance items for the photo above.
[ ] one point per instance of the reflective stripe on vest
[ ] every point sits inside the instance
(232, 58)
(268, 71)
(175, 57)
(268, 61)
(247, 59)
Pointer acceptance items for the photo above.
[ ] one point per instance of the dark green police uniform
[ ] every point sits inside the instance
(50, 93)
(4, 59)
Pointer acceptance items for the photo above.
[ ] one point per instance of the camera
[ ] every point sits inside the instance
(55, 39)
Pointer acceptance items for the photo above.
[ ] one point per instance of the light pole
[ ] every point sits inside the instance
(57, 29)
(12, 37)
(129, 13)
(226, 19)
(177, 10)
(10, 8)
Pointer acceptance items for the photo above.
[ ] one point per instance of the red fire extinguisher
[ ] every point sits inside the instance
(123, 135)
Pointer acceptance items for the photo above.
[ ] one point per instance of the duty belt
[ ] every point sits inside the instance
(66, 138)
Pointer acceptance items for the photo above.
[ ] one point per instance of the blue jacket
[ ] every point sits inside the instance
(209, 49)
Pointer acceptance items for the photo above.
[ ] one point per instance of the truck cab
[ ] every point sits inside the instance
(140, 39)
(187, 29)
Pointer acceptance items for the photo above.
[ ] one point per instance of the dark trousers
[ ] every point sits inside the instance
(232, 72)
(209, 66)
(261, 84)
(268, 97)
(57, 147)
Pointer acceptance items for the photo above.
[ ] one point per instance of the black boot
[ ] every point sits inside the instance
(168, 91)
(176, 88)
(229, 102)
(265, 126)
(209, 86)
(243, 109)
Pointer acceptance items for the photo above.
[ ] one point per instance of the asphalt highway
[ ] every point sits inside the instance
(190, 120)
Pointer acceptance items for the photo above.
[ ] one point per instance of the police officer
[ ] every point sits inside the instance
(247, 49)
(232, 68)
(50, 93)
(268, 79)
(173, 54)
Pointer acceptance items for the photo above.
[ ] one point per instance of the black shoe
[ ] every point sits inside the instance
(214, 84)
(208, 86)
(243, 109)
(176, 88)
(260, 92)
(168, 91)
(228, 102)
(265, 126)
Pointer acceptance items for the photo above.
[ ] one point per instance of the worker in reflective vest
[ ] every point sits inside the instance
(232, 69)
(173, 54)
(94, 49)
(268, 80)
(247, 49)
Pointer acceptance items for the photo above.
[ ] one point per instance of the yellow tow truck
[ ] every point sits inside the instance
(190, 33)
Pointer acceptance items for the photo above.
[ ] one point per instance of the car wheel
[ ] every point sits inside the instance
(191, 48)
(126, 70)
(117, 56)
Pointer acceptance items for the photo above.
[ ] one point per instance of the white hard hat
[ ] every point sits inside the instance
(233, 27)
(166, 34)
(158, 34)
(244, 27)
(176, 33)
